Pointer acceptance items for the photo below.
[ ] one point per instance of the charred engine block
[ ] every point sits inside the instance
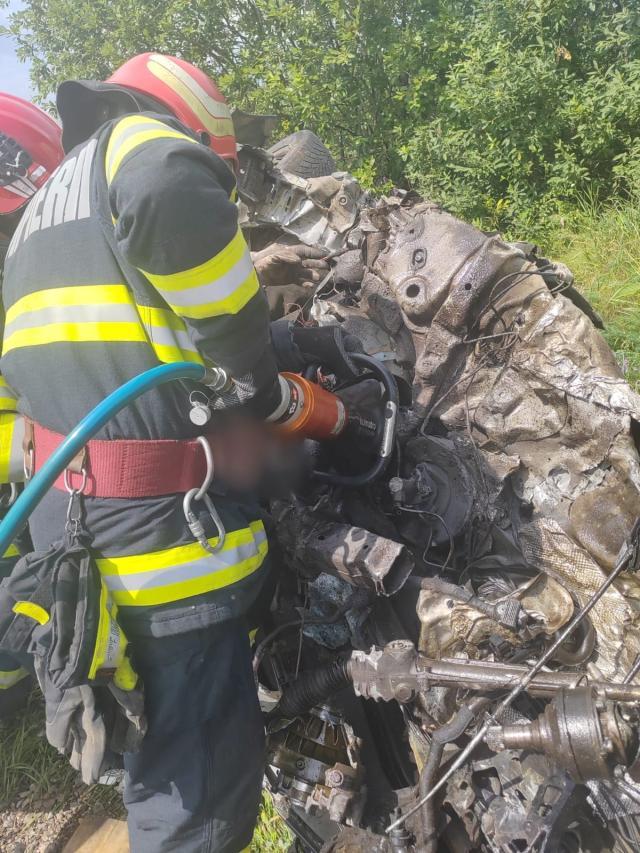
(316, 763)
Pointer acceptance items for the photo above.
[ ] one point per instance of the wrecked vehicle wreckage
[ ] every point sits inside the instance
(451, 653)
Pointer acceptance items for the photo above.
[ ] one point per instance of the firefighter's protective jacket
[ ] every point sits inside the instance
(129, 256)
(13, 676)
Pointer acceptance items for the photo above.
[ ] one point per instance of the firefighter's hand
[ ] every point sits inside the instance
(279, 265)
(242, 448)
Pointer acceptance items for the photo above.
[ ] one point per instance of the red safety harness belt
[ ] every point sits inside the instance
(123, 468)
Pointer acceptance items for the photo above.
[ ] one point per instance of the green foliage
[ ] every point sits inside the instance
(602, 248)
(507, 111)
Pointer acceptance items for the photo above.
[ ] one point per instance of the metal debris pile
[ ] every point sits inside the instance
(410, 608)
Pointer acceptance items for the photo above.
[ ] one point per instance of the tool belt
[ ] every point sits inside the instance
(120, 468)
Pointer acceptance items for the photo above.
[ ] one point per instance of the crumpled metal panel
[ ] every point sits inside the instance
(615, 618)
(319, 211)
(525, 371)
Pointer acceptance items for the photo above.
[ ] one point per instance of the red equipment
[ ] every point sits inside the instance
(190, 95)
(310, 411)
(30, 150)
(123, 468)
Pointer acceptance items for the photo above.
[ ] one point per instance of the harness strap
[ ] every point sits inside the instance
(127, 468)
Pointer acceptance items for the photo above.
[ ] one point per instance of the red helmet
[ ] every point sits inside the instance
(190, 95)
(30, 150)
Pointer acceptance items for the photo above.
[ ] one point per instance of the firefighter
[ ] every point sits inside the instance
(30, 149)
(131, 256)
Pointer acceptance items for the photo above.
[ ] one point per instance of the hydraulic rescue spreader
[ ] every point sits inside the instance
(307, 410)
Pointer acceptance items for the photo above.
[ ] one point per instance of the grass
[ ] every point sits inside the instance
(31, 769)
(32, 773)
(602, 248)
(272, 834)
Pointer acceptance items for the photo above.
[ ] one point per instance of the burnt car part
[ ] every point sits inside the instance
(580, 732)
(356, 555)
(317, 762)
(513, 484)
(399, 673)
(629, 557)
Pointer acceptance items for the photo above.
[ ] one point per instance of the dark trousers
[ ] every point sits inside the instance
(194, 787)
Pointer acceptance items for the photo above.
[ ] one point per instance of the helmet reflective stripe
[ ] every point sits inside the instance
(214, 115)
(20, 188)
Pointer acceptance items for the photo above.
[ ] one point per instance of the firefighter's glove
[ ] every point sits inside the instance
(297, 347)
(92, 725)
(279, 265)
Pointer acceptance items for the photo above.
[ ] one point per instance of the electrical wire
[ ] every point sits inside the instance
(302, 620)
(417, 511)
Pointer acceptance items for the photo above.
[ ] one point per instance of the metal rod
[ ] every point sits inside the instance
(492, 719)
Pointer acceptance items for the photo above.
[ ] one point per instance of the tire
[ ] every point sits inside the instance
(303, 154)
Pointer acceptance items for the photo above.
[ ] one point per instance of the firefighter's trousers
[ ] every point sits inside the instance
(195, 785)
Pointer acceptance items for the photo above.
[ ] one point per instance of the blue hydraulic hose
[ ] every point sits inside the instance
(36, 489)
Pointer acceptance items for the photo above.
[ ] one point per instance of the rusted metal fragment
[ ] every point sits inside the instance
(358, 556)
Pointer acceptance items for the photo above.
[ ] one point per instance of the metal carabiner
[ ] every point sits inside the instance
(195, 525)
(73, 522)
(8, 500)
(204, 488)
(69, 487)
(28, 469)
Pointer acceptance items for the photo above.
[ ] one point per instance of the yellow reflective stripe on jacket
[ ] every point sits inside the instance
(83, 313)
(222, 285)
(101, 312)
(11, 551)
(9, 677)
(132, 132)
(59, 297)
(168, 335)
(8, 399)
(111, 644)
(187, 570)
(11, 455)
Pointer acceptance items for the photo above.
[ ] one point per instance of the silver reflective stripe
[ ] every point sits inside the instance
(136, 127)
(170, 338)
(101, 313)
(12, 676)
(202, 567)
(214, 291)
(6, 391)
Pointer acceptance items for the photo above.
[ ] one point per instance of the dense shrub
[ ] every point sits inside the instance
(505, 110)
